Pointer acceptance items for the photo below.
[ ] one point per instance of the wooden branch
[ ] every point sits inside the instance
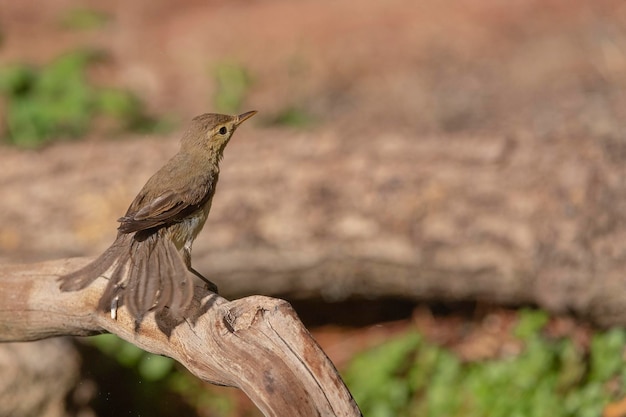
(257, 343)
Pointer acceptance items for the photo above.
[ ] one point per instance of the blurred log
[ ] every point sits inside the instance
(37, 378)
(522, 218)
(256, 344)
(515, 219)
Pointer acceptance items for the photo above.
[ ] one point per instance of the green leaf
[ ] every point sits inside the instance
(16, 80)
(607, 354)
(530, 323)
(155, 367)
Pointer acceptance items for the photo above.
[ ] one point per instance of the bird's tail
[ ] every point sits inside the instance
(146, 275)
(83, 277)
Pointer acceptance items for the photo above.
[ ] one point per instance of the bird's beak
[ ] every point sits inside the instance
(245, 116)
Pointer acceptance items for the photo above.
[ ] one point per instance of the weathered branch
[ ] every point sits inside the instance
(257, 343)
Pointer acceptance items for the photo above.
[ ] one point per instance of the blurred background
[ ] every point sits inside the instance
(438, 188)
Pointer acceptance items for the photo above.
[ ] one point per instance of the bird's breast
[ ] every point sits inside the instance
(185, 231)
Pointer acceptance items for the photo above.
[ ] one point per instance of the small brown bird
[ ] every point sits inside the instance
(150, 261)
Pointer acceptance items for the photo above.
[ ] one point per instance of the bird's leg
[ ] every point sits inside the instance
(187, 258)
(209, 285)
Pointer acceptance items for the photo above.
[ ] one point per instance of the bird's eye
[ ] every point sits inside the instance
(223, 130)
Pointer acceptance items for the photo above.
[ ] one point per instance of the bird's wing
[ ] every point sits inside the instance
(167, 207)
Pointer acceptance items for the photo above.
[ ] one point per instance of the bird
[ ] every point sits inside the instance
(149, 263)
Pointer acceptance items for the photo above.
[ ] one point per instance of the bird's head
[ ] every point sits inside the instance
(209, 133)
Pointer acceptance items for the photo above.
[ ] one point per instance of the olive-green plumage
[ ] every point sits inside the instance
(150, 261)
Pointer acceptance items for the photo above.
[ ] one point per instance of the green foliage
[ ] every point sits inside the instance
(380, 376)
(530, 324)
(233, 81)
(410, 377)
(84, 19)
(608, 357)
(160, 377)
(199, 397)
(58, 101)
(292, 116)
(150, 367)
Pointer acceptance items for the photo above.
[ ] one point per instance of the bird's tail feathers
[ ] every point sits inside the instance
(83, 277)
(145, 275)
(151, 275)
